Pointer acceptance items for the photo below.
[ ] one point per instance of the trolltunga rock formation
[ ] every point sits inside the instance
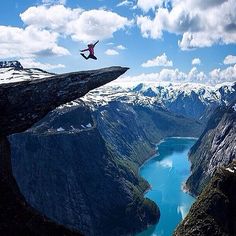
(25, 102)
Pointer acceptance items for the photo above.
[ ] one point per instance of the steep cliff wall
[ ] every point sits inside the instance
(214, 212)
(216, 147)
(214, 178)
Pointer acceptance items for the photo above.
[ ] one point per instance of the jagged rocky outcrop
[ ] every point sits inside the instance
(22, 103)
(26, 102)
(216, 147)
(91, 154)
(214, 212)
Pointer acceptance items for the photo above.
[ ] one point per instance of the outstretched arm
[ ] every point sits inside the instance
(96, 43)
(84, 50)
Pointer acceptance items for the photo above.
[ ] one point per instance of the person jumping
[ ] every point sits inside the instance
(91, 51)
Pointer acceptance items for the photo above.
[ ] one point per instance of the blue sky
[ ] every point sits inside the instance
(157, 38)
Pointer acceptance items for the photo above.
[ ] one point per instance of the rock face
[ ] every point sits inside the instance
(26, 102)
(85, 157)
(216, 147)
(16, 216)
(214, 178)
(214, 212)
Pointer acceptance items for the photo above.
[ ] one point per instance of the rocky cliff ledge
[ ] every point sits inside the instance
(24, 101)
(214, 211)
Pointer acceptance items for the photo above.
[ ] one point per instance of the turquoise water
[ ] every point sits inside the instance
(166, 174)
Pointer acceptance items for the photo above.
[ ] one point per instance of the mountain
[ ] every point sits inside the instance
(192, 100)
(25, 100)
(79, 164)
(85, 156)
(213, 213)
(216, 147)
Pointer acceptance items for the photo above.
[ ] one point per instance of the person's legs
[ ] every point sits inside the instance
(84, 56)
(92, 57)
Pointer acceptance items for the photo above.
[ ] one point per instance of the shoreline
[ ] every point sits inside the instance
(156, 149)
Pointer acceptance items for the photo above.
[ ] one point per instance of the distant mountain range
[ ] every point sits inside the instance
(195, 101)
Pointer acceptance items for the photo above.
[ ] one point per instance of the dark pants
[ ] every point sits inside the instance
(89, 56)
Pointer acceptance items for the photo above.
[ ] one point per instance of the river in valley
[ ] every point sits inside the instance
(166, 172)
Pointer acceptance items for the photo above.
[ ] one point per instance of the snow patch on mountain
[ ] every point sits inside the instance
(234, 106)
(11, 74)
(170, 91)
(7, 64)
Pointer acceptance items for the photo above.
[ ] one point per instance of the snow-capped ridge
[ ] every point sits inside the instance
(11, 64)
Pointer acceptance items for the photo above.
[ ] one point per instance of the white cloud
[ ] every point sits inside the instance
(230, 59)
(97, 24)
(32, 63)
(111, 52)
(125, 3)
(80, 25)
(225, 75)
(166, 163)
(217, 76)
(54, 2)
(146, 5)
(196, 61)
(121, 47)
(195, 76)
(150, 28)
(158, 61)
(28, 42)
(56, 17)
(201, 23)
